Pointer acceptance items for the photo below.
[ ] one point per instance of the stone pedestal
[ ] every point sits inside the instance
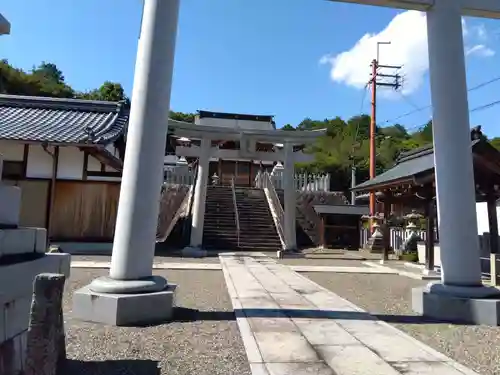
(120, 309)
(22, 258)
(473, 305)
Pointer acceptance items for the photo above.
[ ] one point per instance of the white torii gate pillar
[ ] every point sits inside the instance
(131, 294)
(460, 294)
(200, 197)
(290, 198)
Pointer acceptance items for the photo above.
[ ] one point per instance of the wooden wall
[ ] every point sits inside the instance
(34, 198)
(84, 210)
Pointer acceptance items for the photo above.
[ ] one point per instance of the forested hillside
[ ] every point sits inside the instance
(346, 142)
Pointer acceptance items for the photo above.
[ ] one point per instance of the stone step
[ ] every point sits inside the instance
(268, 237)
(260, 227)
(22, 241)
(242, 247)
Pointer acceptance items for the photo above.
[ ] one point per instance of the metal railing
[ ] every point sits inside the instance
(265, 182)
(236, 214)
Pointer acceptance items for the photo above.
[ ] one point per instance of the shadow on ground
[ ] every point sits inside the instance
(186, 315)
(119, 367)
(336, 315)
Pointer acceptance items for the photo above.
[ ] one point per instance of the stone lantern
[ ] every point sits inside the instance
(412, 227)
(215, 179)
(376, 242)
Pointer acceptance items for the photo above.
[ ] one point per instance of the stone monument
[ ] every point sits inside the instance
(22, 257)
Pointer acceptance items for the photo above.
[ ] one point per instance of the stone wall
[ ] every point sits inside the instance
(173, 204)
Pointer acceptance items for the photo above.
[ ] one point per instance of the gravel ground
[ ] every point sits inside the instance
(197, 342)
(477, 347)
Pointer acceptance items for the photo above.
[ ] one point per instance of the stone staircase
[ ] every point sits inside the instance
(257, 230)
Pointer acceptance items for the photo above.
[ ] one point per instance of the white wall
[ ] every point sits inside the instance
(482, 218)
(238, 124)
(70, 165)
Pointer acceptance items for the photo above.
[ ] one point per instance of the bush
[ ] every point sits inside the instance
(409, 257)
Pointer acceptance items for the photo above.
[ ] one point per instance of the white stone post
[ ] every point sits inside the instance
(200, 195)
(452, 147)
(290, 198)
(137, 217)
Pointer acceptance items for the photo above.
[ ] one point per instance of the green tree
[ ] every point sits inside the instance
(287, 127)
(109, 91)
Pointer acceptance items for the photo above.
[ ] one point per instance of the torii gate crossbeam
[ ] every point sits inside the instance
(473, 8)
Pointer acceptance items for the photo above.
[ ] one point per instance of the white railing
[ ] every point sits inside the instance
(263, 181)
(303, 181)
(179, 176)
(398, 237)
(236, 213)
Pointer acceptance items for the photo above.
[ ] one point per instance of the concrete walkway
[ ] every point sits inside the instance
(290, 325)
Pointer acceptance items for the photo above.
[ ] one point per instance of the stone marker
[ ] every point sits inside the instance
(46, 344)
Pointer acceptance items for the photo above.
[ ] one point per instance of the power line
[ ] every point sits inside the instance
(475, 109)
(420, 109)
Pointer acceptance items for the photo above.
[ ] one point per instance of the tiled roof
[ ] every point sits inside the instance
(408, 165)
(56, 120)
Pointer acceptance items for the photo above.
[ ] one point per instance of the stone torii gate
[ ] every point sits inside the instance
(131, 294)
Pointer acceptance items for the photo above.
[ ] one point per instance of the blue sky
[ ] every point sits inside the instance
(261, 56)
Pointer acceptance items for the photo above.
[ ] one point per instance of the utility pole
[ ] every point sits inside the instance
(353, 184)
(374, 82)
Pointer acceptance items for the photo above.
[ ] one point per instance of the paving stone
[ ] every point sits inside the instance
(324, 332)
(319, 368)
(258, 369)
(383, 340)
(424, 368)
(280, 324)
(354, 360)
(284, 347)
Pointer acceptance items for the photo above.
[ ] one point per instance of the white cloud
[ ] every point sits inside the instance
(480, 50)
(407, 33)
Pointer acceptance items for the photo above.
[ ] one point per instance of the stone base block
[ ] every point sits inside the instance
(124, 309)
(193, 252)
(456, 309)
(10, 206)
(22, 241)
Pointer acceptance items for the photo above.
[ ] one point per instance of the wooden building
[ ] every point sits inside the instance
(67, 157)
(340, 225)
(237, 157)
(411, 182)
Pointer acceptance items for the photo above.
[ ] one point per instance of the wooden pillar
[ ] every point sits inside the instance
(493, 226)
(429, 241)
(386, 229)
(250, 180)
(219, 170)
(52, 191)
